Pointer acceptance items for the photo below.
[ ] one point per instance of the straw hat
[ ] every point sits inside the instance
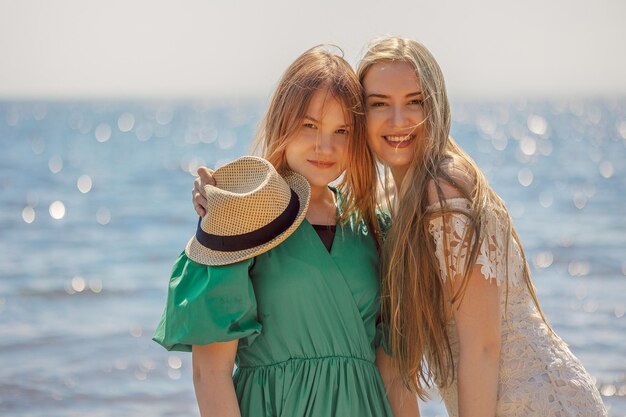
(250, 210)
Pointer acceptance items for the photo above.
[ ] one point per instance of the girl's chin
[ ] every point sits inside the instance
(317, 182)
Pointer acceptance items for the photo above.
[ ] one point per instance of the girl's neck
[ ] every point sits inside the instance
(322, 207)
(321, 194)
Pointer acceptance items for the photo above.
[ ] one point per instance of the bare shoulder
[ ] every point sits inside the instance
(456, 180)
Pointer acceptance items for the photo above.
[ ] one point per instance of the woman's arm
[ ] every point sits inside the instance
(402, 401)
(212, 379)
(477, 318)
(198, 196)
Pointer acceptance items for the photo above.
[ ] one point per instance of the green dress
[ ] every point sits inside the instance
(305, 319)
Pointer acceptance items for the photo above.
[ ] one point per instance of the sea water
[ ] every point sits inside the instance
(96, 205)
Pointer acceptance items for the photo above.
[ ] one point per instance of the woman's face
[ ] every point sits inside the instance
(394, 113)
(319, 148)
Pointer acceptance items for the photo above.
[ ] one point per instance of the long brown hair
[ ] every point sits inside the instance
(416, 302)
(319, 69)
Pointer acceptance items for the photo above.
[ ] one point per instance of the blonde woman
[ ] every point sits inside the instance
(457, 293)
(456, 286)
(299, 320)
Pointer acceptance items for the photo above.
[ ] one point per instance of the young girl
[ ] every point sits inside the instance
(299, 321)
(456, 285)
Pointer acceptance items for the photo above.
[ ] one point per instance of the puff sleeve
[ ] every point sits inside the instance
(208, 304)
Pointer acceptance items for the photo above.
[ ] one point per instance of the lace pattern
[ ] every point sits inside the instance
(496, 241)
(538, 376)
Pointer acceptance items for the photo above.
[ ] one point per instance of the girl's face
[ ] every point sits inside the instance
(394, 113)
(318, 150)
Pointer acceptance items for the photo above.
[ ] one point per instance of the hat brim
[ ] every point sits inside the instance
(203, 255)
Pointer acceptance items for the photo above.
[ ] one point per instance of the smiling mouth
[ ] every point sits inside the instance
(401, 141)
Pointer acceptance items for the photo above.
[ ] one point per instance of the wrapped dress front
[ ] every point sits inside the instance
(305, 319)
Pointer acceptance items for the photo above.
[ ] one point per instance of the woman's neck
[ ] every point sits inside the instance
(398, 174)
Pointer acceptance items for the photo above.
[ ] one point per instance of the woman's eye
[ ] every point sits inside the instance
(342, 131)
(377, 104)
(417, 102)
(309, 125)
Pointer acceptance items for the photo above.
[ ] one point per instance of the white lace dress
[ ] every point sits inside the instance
(538, 376)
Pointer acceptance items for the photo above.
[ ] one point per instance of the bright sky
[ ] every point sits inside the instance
(204, 48)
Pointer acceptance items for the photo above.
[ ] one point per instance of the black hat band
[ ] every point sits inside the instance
(257, 237)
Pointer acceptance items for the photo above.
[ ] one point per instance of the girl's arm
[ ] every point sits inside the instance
(477, 318)
(212, 379)
(402, 401)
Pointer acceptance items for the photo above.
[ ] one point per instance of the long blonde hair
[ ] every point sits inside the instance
(319, 69)
(416, 303)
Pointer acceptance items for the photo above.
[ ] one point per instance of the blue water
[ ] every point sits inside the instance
(83, 274)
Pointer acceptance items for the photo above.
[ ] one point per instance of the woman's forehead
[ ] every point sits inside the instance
(390, 75)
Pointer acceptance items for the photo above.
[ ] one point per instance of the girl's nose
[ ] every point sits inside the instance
(323, 144)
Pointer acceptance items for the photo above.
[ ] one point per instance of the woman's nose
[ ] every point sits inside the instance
(398, 116)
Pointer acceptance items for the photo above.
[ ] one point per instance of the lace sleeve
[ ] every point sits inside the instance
(453, 247)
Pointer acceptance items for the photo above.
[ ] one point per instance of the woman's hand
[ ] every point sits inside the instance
(198, 196)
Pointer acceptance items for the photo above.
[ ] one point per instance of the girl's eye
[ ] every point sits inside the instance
(309, 125)
(377, 104)
(342, 131)
(417, 102)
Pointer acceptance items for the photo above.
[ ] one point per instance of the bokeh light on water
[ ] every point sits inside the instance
(57, 210)
(606, 169)
(78, 284)
(525, 176)
(174, 362)
(103, 216)
(528, 146)
(55, 164)
(96, 206)
(125, 122)
(543, 259)
(95, 285)
(84, 184)
(103, 132)
(546, 199)
(164, 114)
(537, 124)
(28, 214)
